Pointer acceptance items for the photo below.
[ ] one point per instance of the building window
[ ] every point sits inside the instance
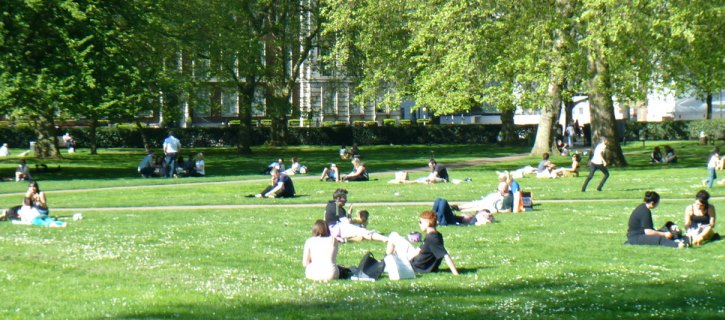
(230, 103)
(329, 99)
(202, 103)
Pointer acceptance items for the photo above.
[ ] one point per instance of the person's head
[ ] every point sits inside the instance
(5, 145)
(343, 147)
(432, 163)
(22, 161)
(702, 197)
(668, 149)
(716, 150)
(171, 133)
(333, 166)
(34, 185)
(545, 156)
(651, 198)
(364, 215)
(340, 196)
(200, 156)
(274, 173)
(294, 159)
(27, 201)
(355, 161)
(503, 187)
(657, 149)
(577, 157)
(604, 140)
(427, 219)
(280, 160)
(320, 229)
(505, 176)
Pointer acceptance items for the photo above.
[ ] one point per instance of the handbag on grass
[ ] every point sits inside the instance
(398, 268)
(369, 269)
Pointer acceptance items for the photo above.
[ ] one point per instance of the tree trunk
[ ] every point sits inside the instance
(708, 109)
(94, 137)
(246, 99)
(546, 130)
(144, 138)
(46, 147)
(601, 108)
(508, 132)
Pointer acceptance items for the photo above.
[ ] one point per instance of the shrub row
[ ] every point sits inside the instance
(130, 136)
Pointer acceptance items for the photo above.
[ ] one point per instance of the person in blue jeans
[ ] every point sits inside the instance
(445, 215)
(712, 166)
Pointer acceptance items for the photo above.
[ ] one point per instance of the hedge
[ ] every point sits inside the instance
(365, 134)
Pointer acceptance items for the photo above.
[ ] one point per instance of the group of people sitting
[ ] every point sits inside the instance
(669, 155)
(295, 168)
(153, 166)
(359, 172)
(33, 211)
(319, 257)
(699, 224)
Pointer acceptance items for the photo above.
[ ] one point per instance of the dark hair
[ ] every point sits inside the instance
(545, 156)
(716, 150)
(431, 216)
(364, 215)
(703, 196)
(35, 184)
(651, 197)
(294, 159)
(339, 193)
(577, 156)
(319, 228)
(432, 161)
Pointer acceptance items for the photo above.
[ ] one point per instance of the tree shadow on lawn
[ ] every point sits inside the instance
(408, 299)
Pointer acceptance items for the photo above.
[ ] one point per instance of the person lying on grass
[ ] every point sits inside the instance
(499, 201)
(429, 256)
(445, 215)
(341, 225)
(30, 215)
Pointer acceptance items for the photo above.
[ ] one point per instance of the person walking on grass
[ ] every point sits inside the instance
(712, 165)
(171, 147)
(598, 163)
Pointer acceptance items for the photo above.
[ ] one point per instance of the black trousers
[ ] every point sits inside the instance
(592, 168)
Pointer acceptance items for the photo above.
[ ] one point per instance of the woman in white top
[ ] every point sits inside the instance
(199, 167)
(319, 256)
(598, 163)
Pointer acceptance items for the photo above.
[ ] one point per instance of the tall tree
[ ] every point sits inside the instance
(693, 57)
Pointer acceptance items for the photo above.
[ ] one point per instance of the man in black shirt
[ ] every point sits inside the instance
(429, 256)
(641, 228)
(335, 210)
(282, 186)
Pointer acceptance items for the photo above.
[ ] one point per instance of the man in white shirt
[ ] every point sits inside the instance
(598, 163)
(171, 146)
(4, 151)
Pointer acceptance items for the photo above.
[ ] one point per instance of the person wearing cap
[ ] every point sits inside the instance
(331, 174)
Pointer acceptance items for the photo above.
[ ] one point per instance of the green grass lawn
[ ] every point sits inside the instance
(565, 259)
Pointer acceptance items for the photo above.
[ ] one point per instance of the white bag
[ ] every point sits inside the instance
(398, 268)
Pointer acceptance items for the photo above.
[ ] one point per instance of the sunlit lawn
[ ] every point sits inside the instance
(564, 259)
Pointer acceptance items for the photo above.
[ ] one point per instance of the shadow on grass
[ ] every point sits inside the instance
(516, 299)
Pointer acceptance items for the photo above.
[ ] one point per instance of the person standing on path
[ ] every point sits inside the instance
(598, 163)
(171, 146)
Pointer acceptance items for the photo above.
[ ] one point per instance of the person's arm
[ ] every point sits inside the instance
(451, 265)
(688, 217)
(276, 188)
(306, 259)
(652, 232)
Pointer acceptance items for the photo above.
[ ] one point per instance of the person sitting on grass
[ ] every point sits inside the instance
(319, 255)
(670, 155)
(576, 158)
(29, 214)
(438, 173)
(445, 215)
(294, 168)
(641, 229)
(146, 167)
(331, 174)
(429, 256)
(22, 172)
(281, 187)
(656, 156)
(359, 172)
(279, 165)
(700, 219)
(198, 168)
(545, 167)
(344, 153)
(38, 198)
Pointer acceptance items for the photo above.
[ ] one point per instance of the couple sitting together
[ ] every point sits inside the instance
(33, 211)
(320, 251)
